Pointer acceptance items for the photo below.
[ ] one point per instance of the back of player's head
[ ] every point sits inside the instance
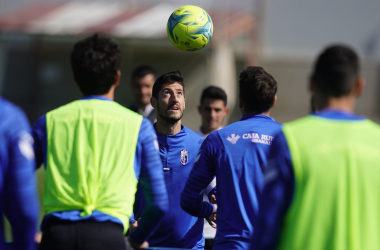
(214, 93)
(257, 89)
(95, 61)
(168, 78)
(336, 71)
(142, 71)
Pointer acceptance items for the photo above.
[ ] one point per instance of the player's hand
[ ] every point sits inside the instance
(135, 245)
(212, 220)
(38, 237)
(133, 226)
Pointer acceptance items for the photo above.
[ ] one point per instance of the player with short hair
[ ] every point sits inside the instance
(213, 110)
(178, 148)
(18, 192)
(236, 154)
(322, 181)
(142, 81)
(95, 151)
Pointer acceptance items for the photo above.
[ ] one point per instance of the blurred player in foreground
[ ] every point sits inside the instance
(18, 192)
(142, 81)
(213, 110)
(95, 151)
(236, 154)
(178, 148)
(322, 181)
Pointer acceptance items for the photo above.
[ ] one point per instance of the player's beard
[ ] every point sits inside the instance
(168, 119)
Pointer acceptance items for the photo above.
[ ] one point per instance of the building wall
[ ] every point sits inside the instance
(37, 74)
(295, 27)
(293, 75)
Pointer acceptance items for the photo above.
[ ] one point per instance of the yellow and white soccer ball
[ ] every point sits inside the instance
(189, 28)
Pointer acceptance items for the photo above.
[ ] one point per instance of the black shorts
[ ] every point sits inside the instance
(82, 235)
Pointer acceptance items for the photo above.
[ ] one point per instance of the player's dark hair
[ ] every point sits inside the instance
(95, 61)
(142, 71)
(215, 93)
(257, 89)
(168, 78)
(336, 71)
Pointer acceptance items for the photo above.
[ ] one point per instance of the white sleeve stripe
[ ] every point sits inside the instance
(211, 186)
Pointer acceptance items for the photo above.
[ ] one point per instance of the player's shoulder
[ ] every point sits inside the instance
(146, 127)
(273, 127)
(9, 107)
(193, 136)
(231, 128)
(11, 112)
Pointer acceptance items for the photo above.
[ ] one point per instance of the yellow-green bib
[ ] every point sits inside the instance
(91, 148)
(336, 202)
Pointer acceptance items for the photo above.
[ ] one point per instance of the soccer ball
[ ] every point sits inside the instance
(189, 28)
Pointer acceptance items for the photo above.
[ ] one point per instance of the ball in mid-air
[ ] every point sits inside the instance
(189, 28)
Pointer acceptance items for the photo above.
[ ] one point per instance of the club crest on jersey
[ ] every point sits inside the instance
(184, 157)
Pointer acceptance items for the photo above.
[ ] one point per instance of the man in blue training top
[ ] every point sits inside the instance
(178, 148)
(18, 193)
(236, 154)
(323, 169)
(94, 152)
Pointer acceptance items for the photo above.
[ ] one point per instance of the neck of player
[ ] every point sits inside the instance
(111, 93)
(345, 103)
(244, 113)
(167, 127)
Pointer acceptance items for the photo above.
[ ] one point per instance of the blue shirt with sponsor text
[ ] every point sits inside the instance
(237, 155)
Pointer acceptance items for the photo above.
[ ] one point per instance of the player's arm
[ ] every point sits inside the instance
(20, 192)
(40, 140)
(276, 197)
(152, 183)
(200, 177)
(211, 189)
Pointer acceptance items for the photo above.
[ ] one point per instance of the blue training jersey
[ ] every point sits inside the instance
(147, 167)
(178, 229)
(237, 155)
(279, 186)
(18, 192)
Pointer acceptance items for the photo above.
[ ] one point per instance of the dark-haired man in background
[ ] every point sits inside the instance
(92, 149)
(213, 110)
(322, 181)
(142, 81)
(178, 149)
(236, 154)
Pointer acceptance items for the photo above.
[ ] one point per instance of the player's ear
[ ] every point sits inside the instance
(274, 101)
(117, 80)
(199, 109)
(227, 110)
(359, 86)
(153, 102)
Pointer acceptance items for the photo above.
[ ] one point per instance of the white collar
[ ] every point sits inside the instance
(146, 112)
(199, 132)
